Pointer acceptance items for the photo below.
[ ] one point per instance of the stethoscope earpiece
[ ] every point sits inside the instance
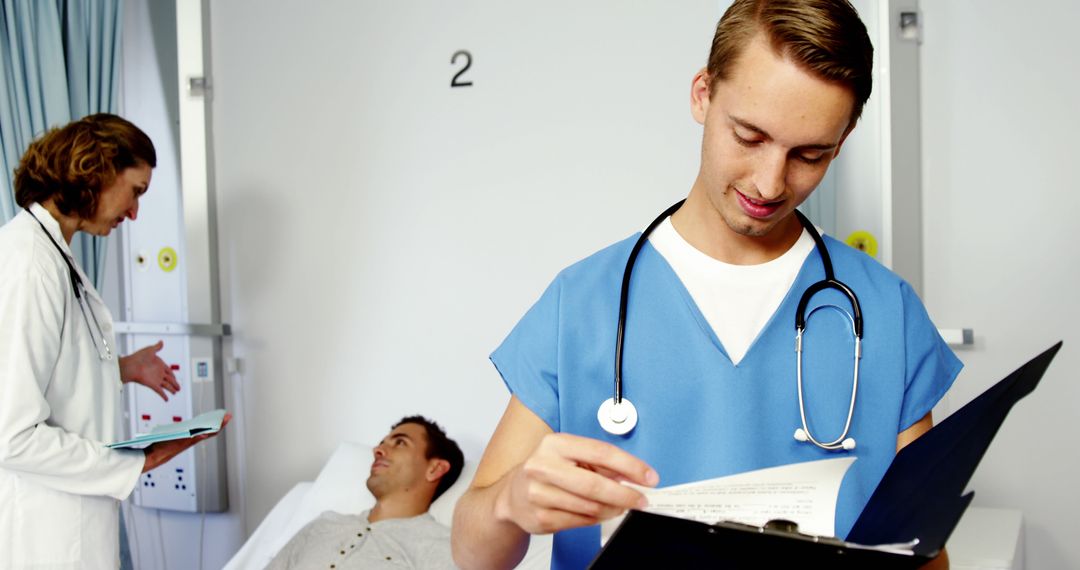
(847, 445)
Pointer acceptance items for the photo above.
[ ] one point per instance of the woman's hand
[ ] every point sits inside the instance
(160, 453)
(147, 368)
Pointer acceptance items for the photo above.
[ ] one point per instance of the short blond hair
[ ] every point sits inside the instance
(824, 37)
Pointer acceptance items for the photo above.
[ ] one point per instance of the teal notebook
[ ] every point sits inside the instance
(203, 424)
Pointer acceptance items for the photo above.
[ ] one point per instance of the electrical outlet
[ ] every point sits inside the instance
(202, 370)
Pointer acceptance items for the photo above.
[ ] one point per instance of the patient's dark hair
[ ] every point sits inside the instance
(441, 447)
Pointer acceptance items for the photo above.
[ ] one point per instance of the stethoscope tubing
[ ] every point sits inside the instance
(624, 295)
(829, 282)
(79, 288)
(837, 443)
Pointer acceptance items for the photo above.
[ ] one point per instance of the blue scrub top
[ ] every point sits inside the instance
(700, 416)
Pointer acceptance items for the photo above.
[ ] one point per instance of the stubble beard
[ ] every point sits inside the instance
(374, 486)
(732, 215)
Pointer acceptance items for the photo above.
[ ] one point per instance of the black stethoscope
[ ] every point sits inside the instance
(80, 289)
(618, 416)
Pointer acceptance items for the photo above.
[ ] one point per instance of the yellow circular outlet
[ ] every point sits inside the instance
(166, 259)
(863, 241)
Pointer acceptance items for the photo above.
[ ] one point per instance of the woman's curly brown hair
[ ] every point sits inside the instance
(74, 163)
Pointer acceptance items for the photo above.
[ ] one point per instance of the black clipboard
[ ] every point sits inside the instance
(921, 496)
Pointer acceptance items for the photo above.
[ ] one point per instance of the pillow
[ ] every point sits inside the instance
(338, 487)
(443, 507)
(340, 484)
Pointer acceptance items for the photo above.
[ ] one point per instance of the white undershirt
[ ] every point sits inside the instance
(736, 300)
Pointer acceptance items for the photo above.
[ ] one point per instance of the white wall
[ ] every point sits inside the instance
(381, 232)
(1000, 126)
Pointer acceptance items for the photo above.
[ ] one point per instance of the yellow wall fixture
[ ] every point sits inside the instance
(863, 241)
(166, 259)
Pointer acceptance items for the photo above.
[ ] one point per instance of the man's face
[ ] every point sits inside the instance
(399, 463)
(771, 130)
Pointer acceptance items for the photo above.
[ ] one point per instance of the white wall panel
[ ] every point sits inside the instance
(1000, 125)
(381, 232)
(162, 539)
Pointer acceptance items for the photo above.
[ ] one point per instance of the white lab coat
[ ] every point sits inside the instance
(59, 404)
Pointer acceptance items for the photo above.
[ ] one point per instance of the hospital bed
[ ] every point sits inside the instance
(340, 487)
(986, 539)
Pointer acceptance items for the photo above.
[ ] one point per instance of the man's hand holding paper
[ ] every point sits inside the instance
(572, 481)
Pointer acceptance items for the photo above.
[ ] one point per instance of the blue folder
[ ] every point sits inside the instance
(203, 424)
(921, 496)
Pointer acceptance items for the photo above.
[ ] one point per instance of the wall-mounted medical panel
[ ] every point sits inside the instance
(872, 196)
(169, 291)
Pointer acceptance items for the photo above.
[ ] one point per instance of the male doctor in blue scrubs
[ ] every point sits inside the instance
(708, 353)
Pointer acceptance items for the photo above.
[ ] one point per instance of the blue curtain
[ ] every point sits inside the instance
(60, 60)
(33, 85)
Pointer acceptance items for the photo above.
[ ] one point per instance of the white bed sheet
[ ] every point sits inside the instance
(272, 533)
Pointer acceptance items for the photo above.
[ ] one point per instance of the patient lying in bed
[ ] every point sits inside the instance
(413, 465)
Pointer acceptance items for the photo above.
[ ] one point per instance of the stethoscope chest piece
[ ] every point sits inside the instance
(617, 419)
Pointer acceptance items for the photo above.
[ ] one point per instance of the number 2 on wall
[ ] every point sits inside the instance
(457, 81)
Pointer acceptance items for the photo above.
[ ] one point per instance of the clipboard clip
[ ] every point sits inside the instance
(782, 525)
(790, 528)
(776, 526)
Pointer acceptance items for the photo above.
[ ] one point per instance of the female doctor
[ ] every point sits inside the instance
(59, 381)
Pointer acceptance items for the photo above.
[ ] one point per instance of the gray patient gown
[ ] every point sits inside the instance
(345, 542)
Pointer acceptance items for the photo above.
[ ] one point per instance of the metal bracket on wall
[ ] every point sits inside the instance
(198, 86)
(958, 337)
(191, 329)
(911, 26)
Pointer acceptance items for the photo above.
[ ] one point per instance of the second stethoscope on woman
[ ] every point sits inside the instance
(80, 290)
(618, 416)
